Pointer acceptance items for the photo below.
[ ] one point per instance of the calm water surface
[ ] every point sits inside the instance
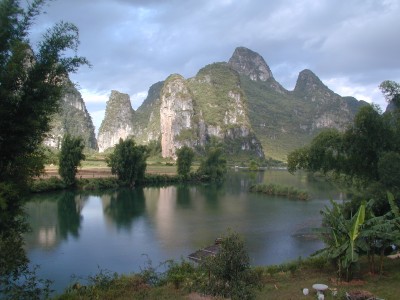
(80, 233)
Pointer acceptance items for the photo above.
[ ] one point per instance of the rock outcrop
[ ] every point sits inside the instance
(239, 103)
(146, 123)
(209, 105)
(73, 119)
(117, 121)
(176, 115)
(251, 64)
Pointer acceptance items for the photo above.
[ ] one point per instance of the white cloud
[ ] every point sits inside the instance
(94, 97)
(137, 99)
(345, 87)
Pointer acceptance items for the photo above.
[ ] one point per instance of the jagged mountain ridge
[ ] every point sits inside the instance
(73, 118)
(240, 103)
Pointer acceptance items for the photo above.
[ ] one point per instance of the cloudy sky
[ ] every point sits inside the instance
(352, 45)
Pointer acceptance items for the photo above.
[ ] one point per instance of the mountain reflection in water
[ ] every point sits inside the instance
(78, 233)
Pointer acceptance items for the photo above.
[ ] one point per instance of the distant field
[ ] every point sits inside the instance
(104, 171)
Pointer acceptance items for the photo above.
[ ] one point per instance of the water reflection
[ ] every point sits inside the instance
(69, 209)
(124, 206)
(117, 227)
(52, 218)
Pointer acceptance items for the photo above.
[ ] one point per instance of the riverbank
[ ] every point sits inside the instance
(285, 281)
(100, 178)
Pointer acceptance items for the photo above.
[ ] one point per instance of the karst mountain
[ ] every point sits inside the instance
(238, 103)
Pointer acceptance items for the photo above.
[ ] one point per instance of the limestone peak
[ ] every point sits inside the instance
(308, 82)
(250, 63)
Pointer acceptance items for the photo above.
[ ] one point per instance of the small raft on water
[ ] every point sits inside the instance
(201, 254)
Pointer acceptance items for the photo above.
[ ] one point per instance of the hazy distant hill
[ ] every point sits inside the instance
(238, 102)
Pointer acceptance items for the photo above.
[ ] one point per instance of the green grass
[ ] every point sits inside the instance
(278, 190)
(285, 281)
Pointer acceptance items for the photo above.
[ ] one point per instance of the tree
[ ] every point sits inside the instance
(30, 90)
(71, 155)
(128, 161)
(214, 165)
(253, 165)
(355, 152)
(30, 86)
(341, 236)
(229, 272)
(184, 161)
(391, 90)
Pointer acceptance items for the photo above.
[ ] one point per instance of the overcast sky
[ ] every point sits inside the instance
(351, 45)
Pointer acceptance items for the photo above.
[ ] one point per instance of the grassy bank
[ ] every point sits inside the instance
(278, 190)
(94, 179)
(284, 281)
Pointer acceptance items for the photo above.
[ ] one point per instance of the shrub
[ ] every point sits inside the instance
(229, 272)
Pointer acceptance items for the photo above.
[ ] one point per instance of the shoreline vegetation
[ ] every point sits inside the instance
(178, 280)
(280, 191)
(100, 178)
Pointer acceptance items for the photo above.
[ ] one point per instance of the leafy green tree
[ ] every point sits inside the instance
(364, 142)
(389, 170)
(229, 272)
(214, 165)
(128, 161)
(31, 84)
(184, 161)
(253, 165)
(391, 90)
(71, 155)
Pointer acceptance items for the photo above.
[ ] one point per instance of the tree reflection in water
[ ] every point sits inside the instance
(125, 205)
(69, 208)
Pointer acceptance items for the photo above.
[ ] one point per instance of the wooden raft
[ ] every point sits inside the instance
(201, 254)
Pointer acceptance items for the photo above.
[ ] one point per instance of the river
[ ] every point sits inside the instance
(79, 234)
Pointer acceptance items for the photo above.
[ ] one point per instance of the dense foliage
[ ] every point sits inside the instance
(364, 233)
(229, 271)
(128, 161)
(366, 154)
(71, 155)
(214, 165)
(30, 88)
(184, 161)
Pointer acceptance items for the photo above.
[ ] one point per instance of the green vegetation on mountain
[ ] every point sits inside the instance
(211, 88)
(73, 118)
(119, 113)
(146, 121)
(276, 118)
(242, 104)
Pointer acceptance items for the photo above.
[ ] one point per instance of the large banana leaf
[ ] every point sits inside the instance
(357, 221)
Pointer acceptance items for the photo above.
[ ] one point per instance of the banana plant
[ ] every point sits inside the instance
(341, 236)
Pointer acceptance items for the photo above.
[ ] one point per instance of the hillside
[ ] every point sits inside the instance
(73, 118)
(240, 103)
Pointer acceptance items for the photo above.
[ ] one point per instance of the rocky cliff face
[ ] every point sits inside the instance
(209, 105)
(176, 115)
(146, 123)
(329, 110)
(251, 64)
(117, 121)
(73, 119)
(239, 102)
(284, 120)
